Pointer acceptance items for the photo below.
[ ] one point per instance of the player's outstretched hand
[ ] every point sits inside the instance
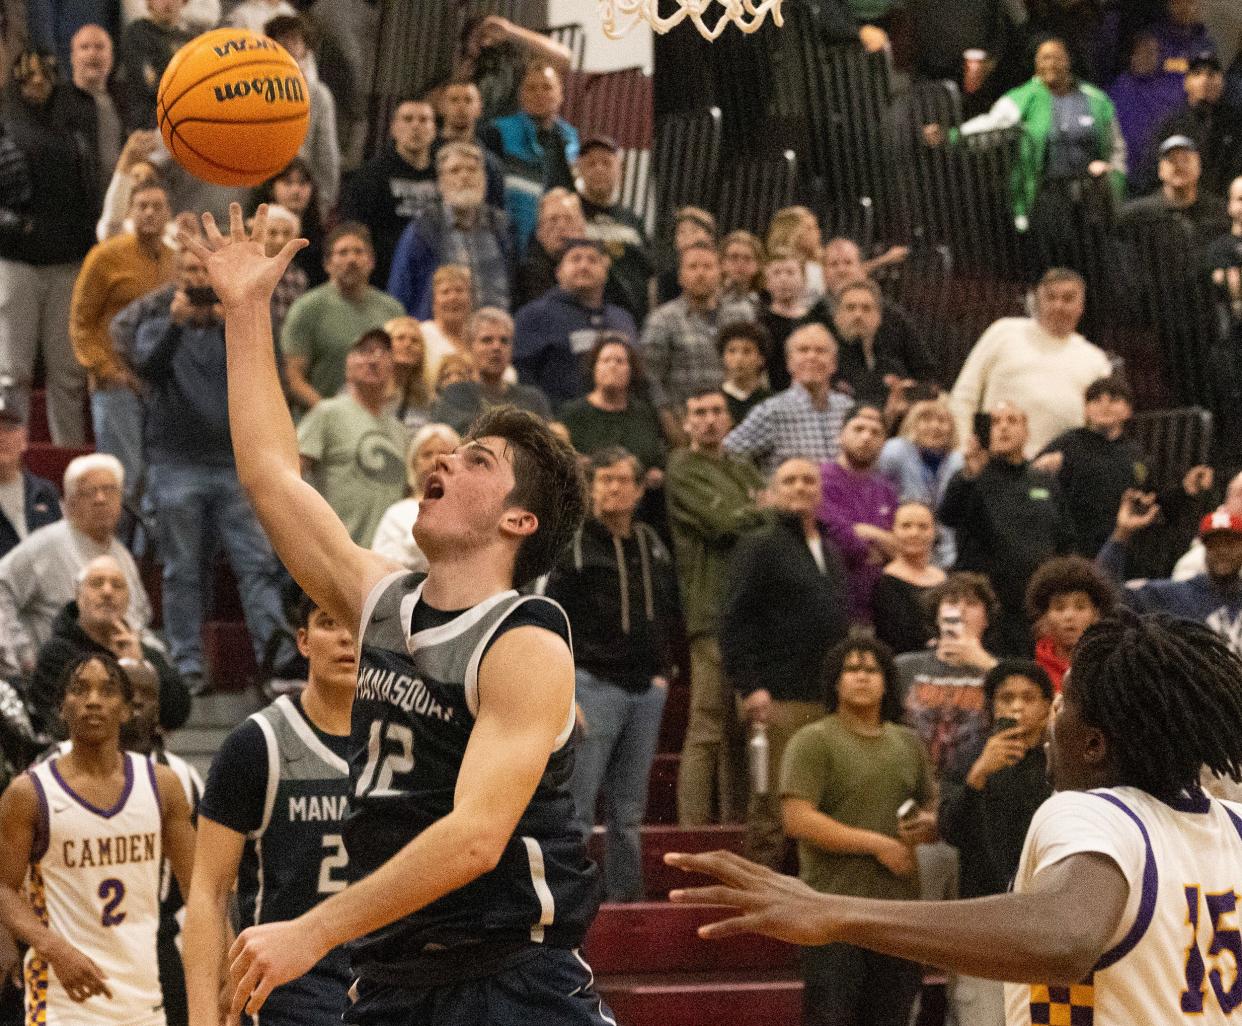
(239, 267)
(79, 975)
(769, 902)
(265, 957)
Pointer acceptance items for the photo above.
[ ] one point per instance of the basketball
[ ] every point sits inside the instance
(233, 107)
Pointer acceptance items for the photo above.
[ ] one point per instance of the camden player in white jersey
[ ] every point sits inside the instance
(81, 840)
(1125, 907)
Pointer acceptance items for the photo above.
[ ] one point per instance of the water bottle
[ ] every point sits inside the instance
(759, 759)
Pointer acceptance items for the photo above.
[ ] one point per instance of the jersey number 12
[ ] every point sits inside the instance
(391, 754)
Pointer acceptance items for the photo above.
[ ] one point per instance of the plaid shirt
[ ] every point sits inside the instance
(679, 349)
(789, 425)
(290, 287)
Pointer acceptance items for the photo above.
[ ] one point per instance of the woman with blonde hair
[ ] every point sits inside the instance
(797, 228)
(454, 368)
(921, 460)
(452, 303)
(411, 392)
(394, 537)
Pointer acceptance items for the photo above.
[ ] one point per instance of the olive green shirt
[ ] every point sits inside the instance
(711, 504)
(859, 781)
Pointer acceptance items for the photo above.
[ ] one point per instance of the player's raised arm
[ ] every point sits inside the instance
(307, 535)
(1053, 934)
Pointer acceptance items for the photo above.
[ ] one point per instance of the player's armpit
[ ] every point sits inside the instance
(526, 696)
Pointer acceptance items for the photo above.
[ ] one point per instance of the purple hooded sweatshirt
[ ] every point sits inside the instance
(851, 498)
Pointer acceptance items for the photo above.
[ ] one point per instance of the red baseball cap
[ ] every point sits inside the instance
(1218, 522)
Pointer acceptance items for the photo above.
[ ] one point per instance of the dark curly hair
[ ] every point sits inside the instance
(1006, 668)
(1064, 574)
(752, 331)
(547, 481)
(1167, 694)
(834, 667)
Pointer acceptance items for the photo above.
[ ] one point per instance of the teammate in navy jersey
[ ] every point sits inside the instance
(81, 841)
(473, 887)
(271, 821)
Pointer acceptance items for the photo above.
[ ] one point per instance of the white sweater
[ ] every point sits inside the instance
(1018, 361)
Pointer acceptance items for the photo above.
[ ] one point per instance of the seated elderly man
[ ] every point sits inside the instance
(95, 621)
(40, 575)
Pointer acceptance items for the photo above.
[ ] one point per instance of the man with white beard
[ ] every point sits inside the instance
(461, 229)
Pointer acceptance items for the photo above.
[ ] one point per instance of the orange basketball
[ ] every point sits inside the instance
(233, 107)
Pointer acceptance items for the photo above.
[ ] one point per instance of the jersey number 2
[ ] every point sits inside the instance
(336, 858)
(399, 758)
(112, 891)
(1221, 908)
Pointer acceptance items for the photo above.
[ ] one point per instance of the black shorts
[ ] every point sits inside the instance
(553, 987)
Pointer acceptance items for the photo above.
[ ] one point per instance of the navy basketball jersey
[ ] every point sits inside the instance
(413, 712)
(296, 857)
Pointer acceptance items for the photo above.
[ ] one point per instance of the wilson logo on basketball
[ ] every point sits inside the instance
(271, 90)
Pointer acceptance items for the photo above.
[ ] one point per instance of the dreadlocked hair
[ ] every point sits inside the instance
(1167, 694)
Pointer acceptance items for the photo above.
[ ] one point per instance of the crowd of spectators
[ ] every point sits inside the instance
(876, 562)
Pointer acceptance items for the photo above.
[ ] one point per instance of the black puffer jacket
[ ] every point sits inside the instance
(59, 149)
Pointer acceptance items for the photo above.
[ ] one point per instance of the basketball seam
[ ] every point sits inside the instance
(215, 163)
(168, 107)
(240, 124)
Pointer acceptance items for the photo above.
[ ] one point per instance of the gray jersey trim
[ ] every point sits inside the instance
(307, 736)
(273, 774)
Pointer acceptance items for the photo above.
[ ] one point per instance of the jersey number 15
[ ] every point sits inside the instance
(1221, 908)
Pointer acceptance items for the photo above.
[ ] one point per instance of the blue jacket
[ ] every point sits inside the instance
(42, 508)
(1200, 599)
(530, 170)
(421, 249)
(551, 338)
(187, 406)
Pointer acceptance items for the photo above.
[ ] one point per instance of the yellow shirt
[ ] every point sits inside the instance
(115, 273)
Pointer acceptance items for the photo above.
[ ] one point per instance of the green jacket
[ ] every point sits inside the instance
(1030, 105)
(711, 503)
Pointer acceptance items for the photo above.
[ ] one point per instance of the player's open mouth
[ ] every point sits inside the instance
(433, 489)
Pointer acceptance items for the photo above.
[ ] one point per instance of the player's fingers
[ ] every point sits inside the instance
(732, 927)
(716, 895)
(257, 999)
(289, 251)
(726, 866)
(237, 223)
(211, 230)
(258, 228)
(187, 241)
(245, 987)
